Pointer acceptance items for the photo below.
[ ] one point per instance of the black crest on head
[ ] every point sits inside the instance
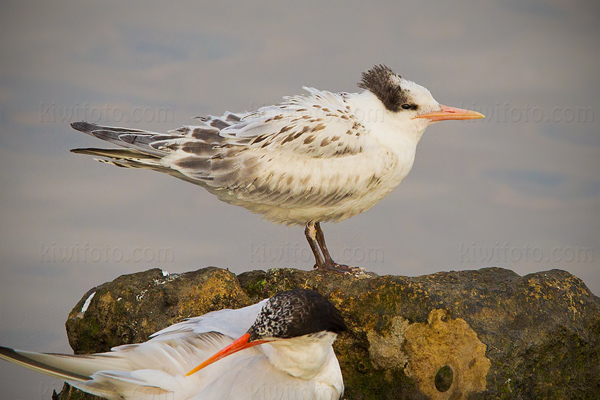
(379, 81)
(295, 313)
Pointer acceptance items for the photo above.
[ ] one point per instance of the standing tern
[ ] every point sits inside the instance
(313, 158)
(287, 355)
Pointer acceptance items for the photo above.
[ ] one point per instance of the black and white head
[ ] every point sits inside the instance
(296, 317)
(410, 104)
(296, 313)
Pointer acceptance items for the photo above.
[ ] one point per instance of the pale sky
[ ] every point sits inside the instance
(519, 190)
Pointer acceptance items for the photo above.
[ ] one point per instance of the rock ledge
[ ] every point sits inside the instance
(479, 334)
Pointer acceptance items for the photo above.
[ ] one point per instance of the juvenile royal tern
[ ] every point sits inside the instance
(287, 355)
(314, 158)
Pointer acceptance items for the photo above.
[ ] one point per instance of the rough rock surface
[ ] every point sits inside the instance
(452, 335)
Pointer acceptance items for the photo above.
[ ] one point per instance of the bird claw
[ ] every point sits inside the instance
(340, 269)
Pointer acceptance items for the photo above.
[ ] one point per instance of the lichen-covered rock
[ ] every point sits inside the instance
(132, 307)
(445, 357)
(451, 335)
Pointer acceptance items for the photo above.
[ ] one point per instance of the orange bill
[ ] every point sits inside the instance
(240, 344)
(450, 113)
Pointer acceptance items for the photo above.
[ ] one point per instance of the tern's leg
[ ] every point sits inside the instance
(329, 264)
(311, 235)
(322, 245)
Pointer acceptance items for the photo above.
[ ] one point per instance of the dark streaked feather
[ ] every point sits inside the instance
(378, 80)
(117, 154)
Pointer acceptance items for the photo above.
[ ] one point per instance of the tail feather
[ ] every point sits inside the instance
(135, 158)
(117, 154)
(128, 158)
(186, 153)
(124, 137)
(87, 127)
(68, 367)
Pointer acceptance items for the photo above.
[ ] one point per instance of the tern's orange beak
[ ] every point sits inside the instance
(448, 113)
(240, 344)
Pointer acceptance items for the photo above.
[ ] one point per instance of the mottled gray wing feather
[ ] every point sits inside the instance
(282, 155)
(288, 156)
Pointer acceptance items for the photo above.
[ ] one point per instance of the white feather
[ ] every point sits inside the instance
(155, 370)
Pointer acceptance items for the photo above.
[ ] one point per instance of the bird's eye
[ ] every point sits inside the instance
(407, 106)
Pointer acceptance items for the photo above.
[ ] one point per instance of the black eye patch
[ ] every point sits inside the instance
(407, 106)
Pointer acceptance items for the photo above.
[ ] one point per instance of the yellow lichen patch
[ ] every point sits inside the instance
(445, 358)
(386, 350)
